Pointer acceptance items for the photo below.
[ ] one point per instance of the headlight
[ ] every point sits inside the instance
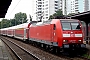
(65, 41)
(79, 40)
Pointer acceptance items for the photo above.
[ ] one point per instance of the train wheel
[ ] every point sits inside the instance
(56, 50)
(42, 45)
(47, 47)
(27, 41)
(51, 48)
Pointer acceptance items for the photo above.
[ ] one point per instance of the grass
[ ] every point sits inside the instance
(86, 56)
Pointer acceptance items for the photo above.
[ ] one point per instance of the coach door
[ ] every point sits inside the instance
(24, 33)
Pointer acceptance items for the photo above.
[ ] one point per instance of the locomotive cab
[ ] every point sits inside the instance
(72, 34)
(69, 33)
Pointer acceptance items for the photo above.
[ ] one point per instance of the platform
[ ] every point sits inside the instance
(4, 54)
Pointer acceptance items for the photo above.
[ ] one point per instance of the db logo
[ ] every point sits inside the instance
(72, 35)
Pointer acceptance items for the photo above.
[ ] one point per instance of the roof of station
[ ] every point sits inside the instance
(84, 16)
(4, 5)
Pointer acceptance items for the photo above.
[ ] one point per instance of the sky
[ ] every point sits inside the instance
(24, 6)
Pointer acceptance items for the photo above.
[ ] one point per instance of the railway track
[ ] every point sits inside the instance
(46, 56)
(20, 52)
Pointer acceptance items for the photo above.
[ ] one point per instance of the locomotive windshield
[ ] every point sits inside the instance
(70, 25)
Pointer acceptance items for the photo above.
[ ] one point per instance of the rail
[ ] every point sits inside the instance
(19, 58)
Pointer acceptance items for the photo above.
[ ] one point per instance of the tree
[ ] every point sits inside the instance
(51, 17)
(12, 22)
(71, 14)
(20, 18)
(56, 14)
(5, 23)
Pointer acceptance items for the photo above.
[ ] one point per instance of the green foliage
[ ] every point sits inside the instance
(4, 23)
(51, 17)
(71, 14)
(57, 13)
(20, 18)
(86, 56)
(12, 22)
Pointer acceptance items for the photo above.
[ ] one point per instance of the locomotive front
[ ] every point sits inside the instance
(69, 33)
(72, 34)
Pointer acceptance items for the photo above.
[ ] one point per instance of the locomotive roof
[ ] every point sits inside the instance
(68, 19)
(63, 19)
(49, 21)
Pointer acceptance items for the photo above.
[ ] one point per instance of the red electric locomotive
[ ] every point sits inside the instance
(60, 33)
